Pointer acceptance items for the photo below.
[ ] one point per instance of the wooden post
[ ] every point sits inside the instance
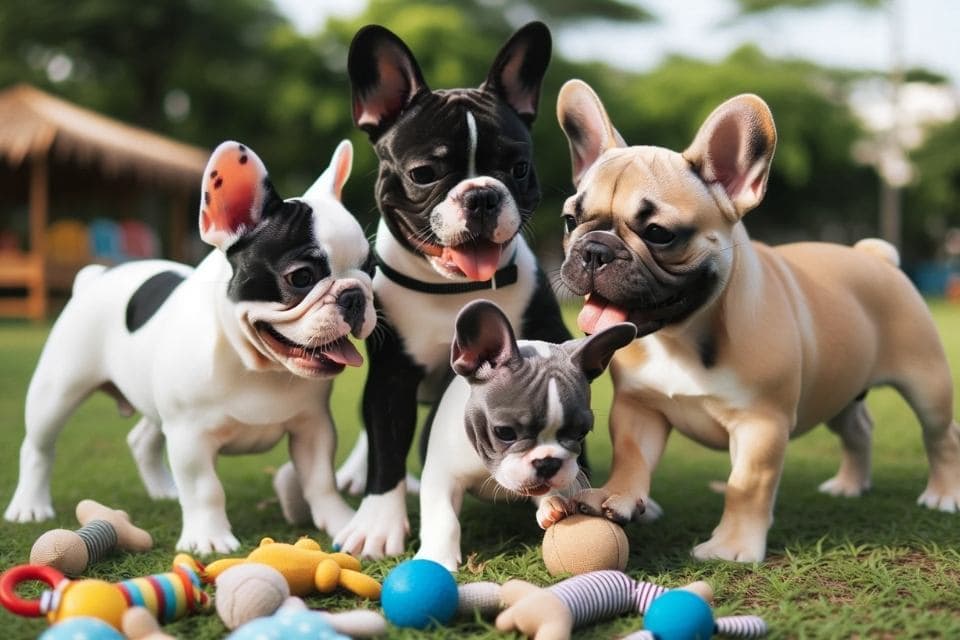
(39, 213)
(178, 225)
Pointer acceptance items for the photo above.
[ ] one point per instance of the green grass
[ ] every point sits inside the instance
(874, 567)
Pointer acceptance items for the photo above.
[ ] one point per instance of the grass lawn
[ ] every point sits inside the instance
(874, 567)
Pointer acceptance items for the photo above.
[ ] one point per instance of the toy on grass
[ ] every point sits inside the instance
(168, 596)
(681, 615)
(580, 543)
(82, 627)
(552, 613)
(419, 593)
(249, 591)
(294, 621)
(306, 568)
(102, 530)
(139, 624)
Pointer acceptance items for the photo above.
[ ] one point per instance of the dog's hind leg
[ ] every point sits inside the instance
(55, 391)
(146, 442)
(855, 428)
(931, 396)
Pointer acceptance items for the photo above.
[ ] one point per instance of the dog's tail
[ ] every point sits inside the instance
(85, 275)
(881, 249)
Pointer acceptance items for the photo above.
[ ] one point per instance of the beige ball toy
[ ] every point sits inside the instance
(248, 591)
(580, 543)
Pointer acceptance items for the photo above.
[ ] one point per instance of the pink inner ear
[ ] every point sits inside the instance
(392, 92)
(232, 193)
(520, 99)
(344, 163)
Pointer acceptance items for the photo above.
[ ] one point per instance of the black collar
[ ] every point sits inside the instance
(502, 278)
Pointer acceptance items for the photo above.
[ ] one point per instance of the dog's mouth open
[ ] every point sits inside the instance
(310, 360)
(476, 259)
(598, 313)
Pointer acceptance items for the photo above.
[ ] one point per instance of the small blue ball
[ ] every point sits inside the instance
(81, 628)
(419, 593)
(679, 615)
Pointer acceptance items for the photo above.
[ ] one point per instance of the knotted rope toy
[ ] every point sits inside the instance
(168, 596)
(552, 613)
(102, 530)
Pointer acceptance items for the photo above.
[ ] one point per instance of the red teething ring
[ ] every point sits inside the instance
(24, 573)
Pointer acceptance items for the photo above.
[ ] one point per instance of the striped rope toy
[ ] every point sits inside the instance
(168, 596)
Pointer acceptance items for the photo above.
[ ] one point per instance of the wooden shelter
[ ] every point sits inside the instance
(50, 144)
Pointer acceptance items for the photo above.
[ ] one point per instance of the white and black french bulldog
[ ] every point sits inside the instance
(224, 358)
(510, 425)
(456, 185)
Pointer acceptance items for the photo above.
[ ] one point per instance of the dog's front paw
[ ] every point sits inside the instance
(206, 542)
(25, 511)
(553, 509)
(940, 498)
(616, 507)
(844, 486)
(379, 527)
(742, 548)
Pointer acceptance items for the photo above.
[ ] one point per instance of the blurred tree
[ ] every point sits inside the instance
(933, 199)
(207, 70)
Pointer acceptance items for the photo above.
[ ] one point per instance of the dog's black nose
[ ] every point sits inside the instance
(352, 303)
(481, 201)
(547, 467)
(595, 255)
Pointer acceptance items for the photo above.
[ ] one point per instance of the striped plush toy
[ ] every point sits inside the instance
(552, 613)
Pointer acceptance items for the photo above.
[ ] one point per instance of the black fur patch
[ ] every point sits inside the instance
(149, 297)
(708, 352)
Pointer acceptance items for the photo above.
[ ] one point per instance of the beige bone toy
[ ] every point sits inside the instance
(102, 530)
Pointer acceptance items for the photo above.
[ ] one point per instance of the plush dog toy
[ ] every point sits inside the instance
(306, 568)
(552, 613)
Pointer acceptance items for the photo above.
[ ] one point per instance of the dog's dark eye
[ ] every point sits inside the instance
(569, 222)
(423, 174)
(301, 278)
(520, 170)
(506, 434)
(655, 234)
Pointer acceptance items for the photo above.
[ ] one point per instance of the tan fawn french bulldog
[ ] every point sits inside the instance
(742, 346)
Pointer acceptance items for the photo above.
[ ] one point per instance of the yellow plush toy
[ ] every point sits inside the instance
(306, 568)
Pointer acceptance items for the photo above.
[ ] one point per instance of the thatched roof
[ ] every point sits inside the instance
(35, 122)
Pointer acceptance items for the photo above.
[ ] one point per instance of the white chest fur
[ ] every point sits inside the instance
(695, 400)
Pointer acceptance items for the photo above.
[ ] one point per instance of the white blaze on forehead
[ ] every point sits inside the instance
(553, 420)
(339, 235)
(471, 145)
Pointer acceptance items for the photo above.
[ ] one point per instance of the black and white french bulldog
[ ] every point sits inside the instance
(224, 358)
(510, 425)
(456, 185)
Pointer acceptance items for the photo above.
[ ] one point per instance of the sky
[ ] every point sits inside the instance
(836, 35)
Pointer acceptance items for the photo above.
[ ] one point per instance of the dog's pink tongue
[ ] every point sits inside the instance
(478, 260)
(343, 352)
(598, 314)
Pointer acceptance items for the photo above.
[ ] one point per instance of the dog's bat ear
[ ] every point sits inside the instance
(483, 336)
(586, 125)
(517, 72)
(384, 77)
(331, 181)
(234, 192)
(732, 153)
(593, 353)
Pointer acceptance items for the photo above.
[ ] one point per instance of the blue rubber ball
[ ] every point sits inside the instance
(419, 593)
(81, 628)
(679, 615)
